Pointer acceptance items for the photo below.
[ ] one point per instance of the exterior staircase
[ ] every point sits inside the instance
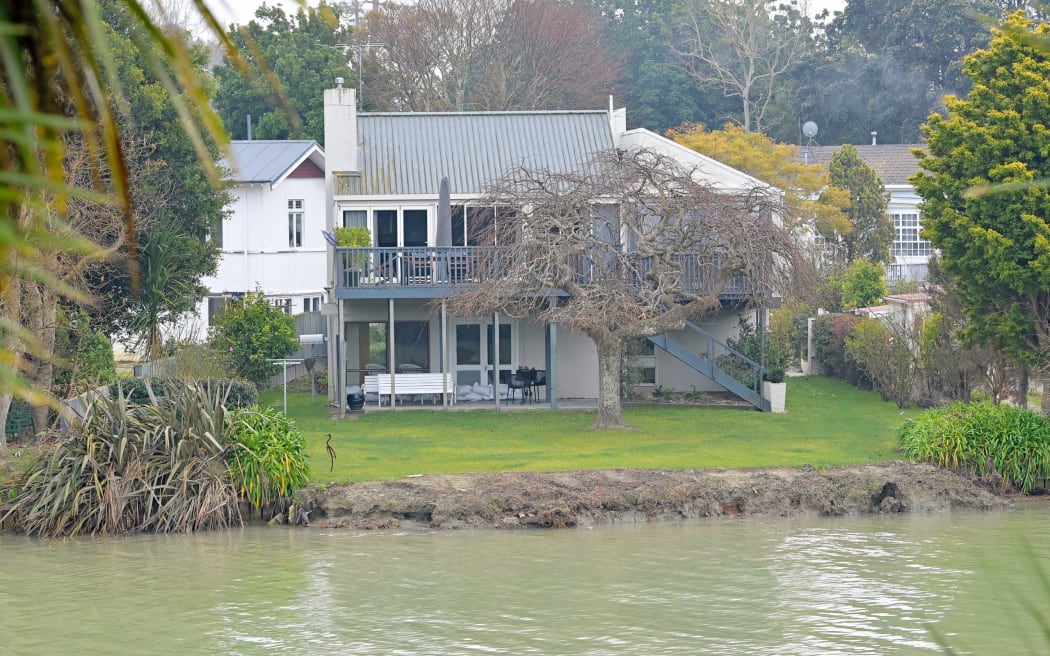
(719, 362)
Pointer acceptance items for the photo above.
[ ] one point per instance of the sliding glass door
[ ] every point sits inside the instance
(482, 361)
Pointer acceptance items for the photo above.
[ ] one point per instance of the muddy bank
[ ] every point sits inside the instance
(585, 498)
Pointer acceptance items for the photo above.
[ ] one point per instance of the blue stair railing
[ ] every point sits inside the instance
(719, 362)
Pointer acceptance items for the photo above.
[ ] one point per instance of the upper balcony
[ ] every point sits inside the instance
(435, 272)
(408, 272)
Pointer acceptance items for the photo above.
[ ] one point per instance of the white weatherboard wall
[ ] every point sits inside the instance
(255, 251)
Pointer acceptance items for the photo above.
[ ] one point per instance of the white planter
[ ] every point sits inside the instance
(776, 394)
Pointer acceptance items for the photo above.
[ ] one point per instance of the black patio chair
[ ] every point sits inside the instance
(539, 380)
(516, 382)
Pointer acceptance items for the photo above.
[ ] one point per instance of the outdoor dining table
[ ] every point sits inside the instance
(527, 377)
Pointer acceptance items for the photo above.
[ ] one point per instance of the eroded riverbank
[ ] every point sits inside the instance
(585, 498)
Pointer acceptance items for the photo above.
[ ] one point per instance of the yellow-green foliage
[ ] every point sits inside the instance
(809, 194)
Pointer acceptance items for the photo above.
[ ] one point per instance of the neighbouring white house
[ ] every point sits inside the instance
(894, 164)
(272, 239)
(384, 172)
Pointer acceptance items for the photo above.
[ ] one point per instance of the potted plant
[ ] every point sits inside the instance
(354, 237)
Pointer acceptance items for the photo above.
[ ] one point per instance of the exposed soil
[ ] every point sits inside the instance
(585, 498)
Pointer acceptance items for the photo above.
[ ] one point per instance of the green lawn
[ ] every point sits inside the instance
(828, 423)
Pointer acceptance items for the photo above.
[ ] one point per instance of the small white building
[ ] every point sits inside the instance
(272, 240)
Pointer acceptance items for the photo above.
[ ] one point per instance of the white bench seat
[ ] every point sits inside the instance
(421, 384)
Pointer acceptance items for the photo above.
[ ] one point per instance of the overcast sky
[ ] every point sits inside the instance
(242, 11)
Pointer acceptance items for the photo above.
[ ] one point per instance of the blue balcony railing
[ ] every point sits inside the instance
(445, 267)
(372, 268)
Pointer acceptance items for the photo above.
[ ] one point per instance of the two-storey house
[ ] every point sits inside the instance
(272, 240)
(384, 172)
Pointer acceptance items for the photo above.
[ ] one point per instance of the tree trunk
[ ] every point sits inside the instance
(5, 408)
(42, 303)
(610, 410)
(1022, 386)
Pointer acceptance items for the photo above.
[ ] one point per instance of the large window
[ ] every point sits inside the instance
(908, 241)
(469, 224)
(368, 346)
(295, 223)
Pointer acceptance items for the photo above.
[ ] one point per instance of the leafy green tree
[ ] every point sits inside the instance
(927, 36)
(653, 82)
(863, 284)
(306, 51)
(178, 207)
(59, 85)
(85, 356)
(980, 206)
(871, 234)
(849, 93)
(253, 332)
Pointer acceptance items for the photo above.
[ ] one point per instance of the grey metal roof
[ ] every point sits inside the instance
(893, 163)
(265, 161)
(409, 153)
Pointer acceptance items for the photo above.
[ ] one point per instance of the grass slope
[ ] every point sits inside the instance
(828, 423)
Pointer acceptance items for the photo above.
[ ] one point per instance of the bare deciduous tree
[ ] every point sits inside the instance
(454, 55)
(636, 245)
(547, 55)
(428, 48)
(744, 46)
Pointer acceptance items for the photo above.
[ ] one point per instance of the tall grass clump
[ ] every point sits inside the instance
(127, 467)
(268, 460)
(992, 441)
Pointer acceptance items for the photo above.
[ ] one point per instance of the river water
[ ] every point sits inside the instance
(872, 585)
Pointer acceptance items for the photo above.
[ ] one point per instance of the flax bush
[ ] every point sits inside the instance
(269, 460)
(995, 441)
(128, 467)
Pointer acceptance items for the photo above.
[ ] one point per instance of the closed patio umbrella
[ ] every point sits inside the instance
(444, 215)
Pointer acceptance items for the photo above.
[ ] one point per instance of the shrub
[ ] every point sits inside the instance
(234, 393)
(862, 285)
(1001, 441)
(254, 332)
(130, 467)
(829, 341)
(84, 358)
(748, 342)
(268, 462)
(884, 357)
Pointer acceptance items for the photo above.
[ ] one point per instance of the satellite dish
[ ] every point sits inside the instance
(809, 128)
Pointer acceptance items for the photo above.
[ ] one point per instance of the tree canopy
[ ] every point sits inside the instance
(872, 232)
(456, 55)
(253, 332)
(986, 207)
(305, 51)
(809, 198)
